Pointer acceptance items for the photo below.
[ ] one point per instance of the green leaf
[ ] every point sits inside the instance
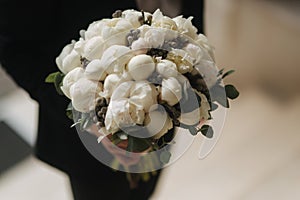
(227, 73)
(218, 94)
(231, 92)
(69, 111)
(51, 77)
(207, 131)
(165, 157)
(58, 82)
(137, 144)
(220, 72)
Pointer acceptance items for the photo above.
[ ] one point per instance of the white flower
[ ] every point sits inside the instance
(158, 123)
(190, 118)
(70, 78)
(159, 20)
(95, 71)
(133, 16)
(140, 67)
(154, 37)
(122, 113)
(140, 44)
(171, 91)
(208, 71)
(83, 93)
(166, 68)
(143, 94)
(68, 59)
(95, 29)
(110, 83)
(195, 52)
(182, 59)
(203, 41)
(115, 58)
(186, 27)
(115, 31)
(205, 107)
(93, 48)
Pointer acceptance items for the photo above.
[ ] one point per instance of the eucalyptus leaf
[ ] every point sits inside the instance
(227, 73)
(207, 131)
(231, 92)
(165, 157)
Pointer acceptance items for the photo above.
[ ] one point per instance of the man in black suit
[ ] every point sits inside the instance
(32, 34)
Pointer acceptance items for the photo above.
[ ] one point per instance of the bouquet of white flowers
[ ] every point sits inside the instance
(135, 80)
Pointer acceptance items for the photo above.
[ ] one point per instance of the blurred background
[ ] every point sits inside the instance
(258, 154)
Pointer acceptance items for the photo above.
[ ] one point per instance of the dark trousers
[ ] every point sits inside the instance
(99, 189)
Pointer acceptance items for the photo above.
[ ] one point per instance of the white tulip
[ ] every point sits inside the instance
(166, 68)
(95, 71)
(83, 94)
(140, 67)
(70, 78)
(171, 91)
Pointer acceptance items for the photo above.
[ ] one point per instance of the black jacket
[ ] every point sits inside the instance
(32, 34)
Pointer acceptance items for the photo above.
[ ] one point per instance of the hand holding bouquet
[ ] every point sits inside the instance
(135, 80)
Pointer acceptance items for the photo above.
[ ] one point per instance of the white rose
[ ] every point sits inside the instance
(83, 93)
(115, 58)
(95, 71)
(186, 27)
(122, 113)
(158, 123)
(166, 68)
(68, 59)
(140, 67)
(159, 20)
(93, 48)
(70, 78)
(171, 91)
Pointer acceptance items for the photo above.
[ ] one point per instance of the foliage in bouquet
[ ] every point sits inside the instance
(138, 77)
